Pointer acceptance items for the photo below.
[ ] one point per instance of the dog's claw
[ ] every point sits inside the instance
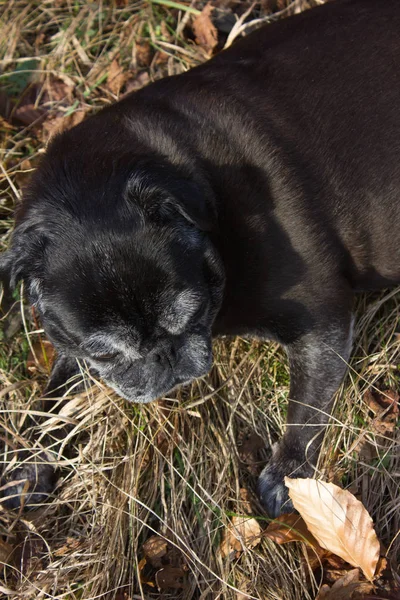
(28, 485)
(273, 493)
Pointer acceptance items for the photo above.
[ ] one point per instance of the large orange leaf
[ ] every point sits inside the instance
(338, 521)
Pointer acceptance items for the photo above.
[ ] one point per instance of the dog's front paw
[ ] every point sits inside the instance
(271, 487)
(29, 484)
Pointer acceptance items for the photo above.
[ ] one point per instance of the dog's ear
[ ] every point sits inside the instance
(6, 298)
(163, 191)
(6, 268)
(187, 198)
(23, 261)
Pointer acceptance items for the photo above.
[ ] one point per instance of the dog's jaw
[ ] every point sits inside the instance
(147, 380)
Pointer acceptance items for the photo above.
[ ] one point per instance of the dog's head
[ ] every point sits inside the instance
(116, 255)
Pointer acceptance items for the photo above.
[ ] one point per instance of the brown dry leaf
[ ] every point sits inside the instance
(160, 59)
(205, 32)
(245, 498)
(136, 83)
(41, 357)
(115, 77)
(58, 123)
(121, 595)
(143, 578)
(144, 54)
(335, 567)
(381, 567)
(345, 588)
(155, 548)
(71, 545)
(171, 577)
(39, 99)
(290, 528)
(24, 173)
(339, 522)
(242, 596)
(385, 407)
(241, 533)
(28, 114)
(58, 90)
(142, 564)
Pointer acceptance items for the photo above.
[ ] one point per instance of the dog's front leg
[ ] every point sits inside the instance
(317, 366)
(32, 479)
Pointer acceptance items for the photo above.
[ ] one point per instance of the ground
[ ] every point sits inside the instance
(146, 494)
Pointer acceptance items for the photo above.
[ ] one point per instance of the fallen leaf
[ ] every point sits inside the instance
(170, 577)
(41, 99)
(171, 565)
(57, 90)
(155, 548)
(292, 528)
(24, 173)
(160, 59)
(338, 521)
(205, 32)
(72, 544)
(143, 578)
(115, 77)
(54, 124)
(144, 54)
(345, 588)
(381, 566)
(28, 114)
(385, 407)
(289, 528)
(241, 533)
(41, 356)
(245, 498)
(136, 83)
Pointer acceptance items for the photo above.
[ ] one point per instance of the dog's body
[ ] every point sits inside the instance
(252, 195)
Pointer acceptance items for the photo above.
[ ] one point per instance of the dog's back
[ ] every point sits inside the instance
(300, 121)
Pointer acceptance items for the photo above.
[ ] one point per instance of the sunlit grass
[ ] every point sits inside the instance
(173, 467)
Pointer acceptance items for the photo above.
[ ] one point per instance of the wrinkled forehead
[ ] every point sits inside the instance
(172, 317)
(125, 295)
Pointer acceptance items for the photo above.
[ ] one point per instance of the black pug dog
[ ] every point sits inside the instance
(252, 195)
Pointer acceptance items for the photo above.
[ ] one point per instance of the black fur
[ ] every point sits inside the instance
(265, 182)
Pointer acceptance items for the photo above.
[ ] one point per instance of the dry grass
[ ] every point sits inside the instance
(182, 466)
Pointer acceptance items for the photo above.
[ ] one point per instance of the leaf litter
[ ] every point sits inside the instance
(242, 533)
(206, 34)
(51, 104)
(168, 567)
(338, 521)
